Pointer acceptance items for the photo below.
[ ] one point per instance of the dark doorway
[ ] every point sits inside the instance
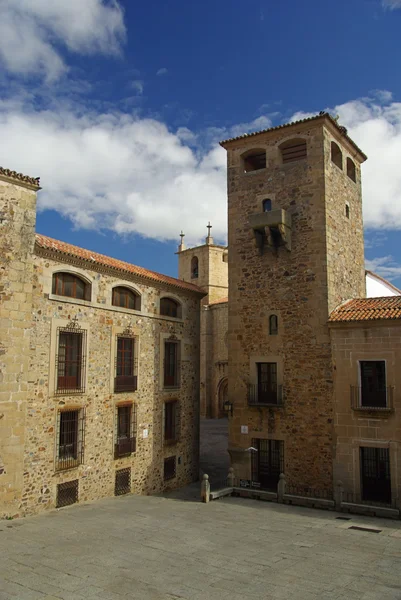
(375, 475)
(267, 463)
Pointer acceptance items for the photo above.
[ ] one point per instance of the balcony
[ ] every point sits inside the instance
(124, 447)
(373, 399)
(265, 395)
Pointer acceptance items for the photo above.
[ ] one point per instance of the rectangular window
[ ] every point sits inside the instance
(70, 361)
(67, 493)
(375, 475)
(171, 364)
(373, 383)
(267, 463)
(170, 467)
(171, 422)
(125, 430)
(267, 383)
(70, 438)
(122, 483)
(126, 379)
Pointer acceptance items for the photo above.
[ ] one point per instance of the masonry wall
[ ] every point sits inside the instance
(103, 322)
(216, 344)
(17, 226)
(295, 285)
(353, 429)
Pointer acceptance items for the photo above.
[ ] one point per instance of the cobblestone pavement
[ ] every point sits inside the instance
(161, 548)
(214, 458)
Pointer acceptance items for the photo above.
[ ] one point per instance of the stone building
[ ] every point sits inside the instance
(313, 394)
(99, 359)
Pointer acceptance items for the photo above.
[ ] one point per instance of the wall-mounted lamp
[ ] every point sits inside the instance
(228, 407)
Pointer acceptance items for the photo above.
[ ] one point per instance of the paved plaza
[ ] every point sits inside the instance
(169, 548)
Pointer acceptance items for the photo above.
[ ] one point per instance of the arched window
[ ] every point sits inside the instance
(273, 325)
(194, 268)
(351, 172)
(126, 298)
(72, 286)
(336, 155)
(170, 308)
(254, 160)
(293, 150)
(267, 205)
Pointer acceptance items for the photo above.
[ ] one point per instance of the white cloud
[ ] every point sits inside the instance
(162, 71)
(29, 28)
(385, 266)
(392, 4)
(137, 86)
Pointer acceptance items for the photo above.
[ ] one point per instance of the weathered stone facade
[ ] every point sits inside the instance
(32, 316)
(360, 427)
(298, 269)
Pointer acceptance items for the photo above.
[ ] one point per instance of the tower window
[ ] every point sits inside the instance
(347, 210)
(336, 155)
(194, 268)
(293, 150)
(254, 160)
(273, 325)
(267, 205)
(351, 172)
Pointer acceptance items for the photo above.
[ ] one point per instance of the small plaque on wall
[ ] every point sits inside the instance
(244, 428)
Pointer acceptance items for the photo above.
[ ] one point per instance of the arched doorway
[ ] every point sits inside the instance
(222, 396)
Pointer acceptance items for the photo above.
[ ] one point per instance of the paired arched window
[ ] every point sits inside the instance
(273, 325)
(194, 268)
(126, 298)
(293, 150)
(72, 286)
(254, 160)
(170, 308)
(267, 205)
(351, 171)
(336, 155)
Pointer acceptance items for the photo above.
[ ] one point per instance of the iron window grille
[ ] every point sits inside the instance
(172, 364)
(67, 493)
(372, 393)
(126, 298)
(375, 475)
(126, 424)
(170, 308)
(72, 286)
(126, 378)
(267, 462)
(70, 359)
(70, 438)
(169, 467)
(171, 422)
(122, 483)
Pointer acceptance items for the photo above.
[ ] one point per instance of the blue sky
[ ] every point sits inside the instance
(119, 106)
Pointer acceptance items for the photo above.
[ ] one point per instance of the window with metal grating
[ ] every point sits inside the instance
(122, 482)
(67, 493)
(170, 467)
(70, 359)
(70, 438)
(125, 433)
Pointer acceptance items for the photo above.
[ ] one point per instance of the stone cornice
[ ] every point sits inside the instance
(32, 183)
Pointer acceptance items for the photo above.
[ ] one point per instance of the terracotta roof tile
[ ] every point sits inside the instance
(20, 178)
(368, 309)
(321, 115)
(58, 247)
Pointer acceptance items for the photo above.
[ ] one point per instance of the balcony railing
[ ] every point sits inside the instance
(125, 383)
(378, 399)
(265, 395)
(124, 447)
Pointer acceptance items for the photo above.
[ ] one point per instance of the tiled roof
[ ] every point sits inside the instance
(321, 115)
(61, 248)
(19, 177)
(367, 309)
(221, 301)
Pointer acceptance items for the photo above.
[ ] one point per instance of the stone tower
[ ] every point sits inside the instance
(295, 236)
(17, 236)
(207, 267)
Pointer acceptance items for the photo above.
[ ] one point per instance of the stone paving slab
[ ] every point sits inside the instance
(174, 548)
